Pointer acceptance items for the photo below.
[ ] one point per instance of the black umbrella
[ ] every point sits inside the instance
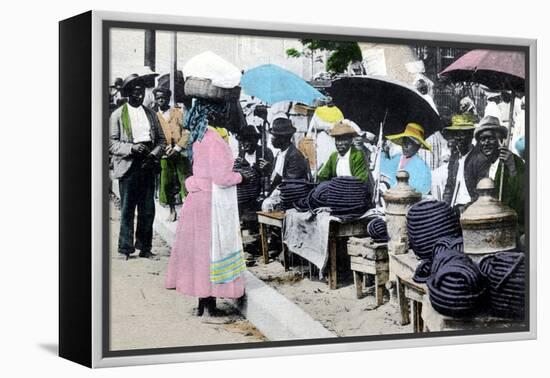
(369, 101)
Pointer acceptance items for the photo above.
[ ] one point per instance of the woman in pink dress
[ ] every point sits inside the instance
(190, 268)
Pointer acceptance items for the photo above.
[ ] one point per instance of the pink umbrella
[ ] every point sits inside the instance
(498, 70)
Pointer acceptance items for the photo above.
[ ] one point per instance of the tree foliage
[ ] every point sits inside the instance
(342, 53)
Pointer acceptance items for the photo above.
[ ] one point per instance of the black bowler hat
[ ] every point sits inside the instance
(282, 126)
(130, 81)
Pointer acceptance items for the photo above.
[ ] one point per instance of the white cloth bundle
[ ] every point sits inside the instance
(208, 65)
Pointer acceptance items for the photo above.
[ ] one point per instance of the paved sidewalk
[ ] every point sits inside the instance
(145, 315)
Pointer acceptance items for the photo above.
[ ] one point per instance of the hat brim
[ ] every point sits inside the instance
(348, 133)
(496, 128)
(289, 132)
(459, 128)
(398, 139)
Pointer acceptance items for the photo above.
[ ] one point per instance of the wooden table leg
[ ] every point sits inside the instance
(418, 323)
(332, 272)
(358, 280)
(379, 290)
(403, 303)
(263, 239)
(285, 253)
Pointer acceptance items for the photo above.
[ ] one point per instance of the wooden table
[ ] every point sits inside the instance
(403, 267)
(337, 230)
(275, 219)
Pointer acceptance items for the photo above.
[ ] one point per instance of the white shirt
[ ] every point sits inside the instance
(250, 158)
(141, 129)
(279, 164)
(342, 165)
(493, 170)
(460, 193)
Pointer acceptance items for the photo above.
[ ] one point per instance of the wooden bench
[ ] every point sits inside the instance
(402, 267)
(369, 258)
(356, 228)
(435, 322)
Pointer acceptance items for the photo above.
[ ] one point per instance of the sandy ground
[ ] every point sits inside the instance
(338, 310)
(145, 315)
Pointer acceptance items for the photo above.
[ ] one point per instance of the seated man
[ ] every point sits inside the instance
(347, 160)
(289, 162)
(493, 159)
(410, 140)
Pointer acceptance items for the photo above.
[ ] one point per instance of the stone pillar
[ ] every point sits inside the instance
(398, 201)
(488, 225)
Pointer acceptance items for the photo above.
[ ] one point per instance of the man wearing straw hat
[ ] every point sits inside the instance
(489, 161)
(459, 134)
(347, 160)
(411, 140)
(136, 144)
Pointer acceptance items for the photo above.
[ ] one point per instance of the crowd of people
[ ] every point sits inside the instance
(185, 153)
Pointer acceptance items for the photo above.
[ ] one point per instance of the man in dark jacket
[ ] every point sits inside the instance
(136, 144)
(289, 162)
(493, 159)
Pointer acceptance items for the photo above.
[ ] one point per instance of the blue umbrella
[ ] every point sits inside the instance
(272, 84)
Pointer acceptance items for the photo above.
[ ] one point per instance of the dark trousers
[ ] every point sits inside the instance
(137, 191)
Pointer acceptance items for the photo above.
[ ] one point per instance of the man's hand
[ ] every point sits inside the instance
(140, 149)
(170, 151)
(507, 158)
(246, 174)
(264, 164)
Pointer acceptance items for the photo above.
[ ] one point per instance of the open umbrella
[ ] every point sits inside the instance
(498, 70)
(370, 101)
(272, 84)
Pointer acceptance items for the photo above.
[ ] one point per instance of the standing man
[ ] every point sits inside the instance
(494, 160)
(136, 144)
(459, 134)
(174, 167)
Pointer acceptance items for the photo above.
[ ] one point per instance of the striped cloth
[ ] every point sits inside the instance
(378, 230)
(505, 272)
(456, 286)
(347, 197)
(424, 269)
(428, 221)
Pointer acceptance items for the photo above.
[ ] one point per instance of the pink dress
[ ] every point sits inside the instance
(189, 264)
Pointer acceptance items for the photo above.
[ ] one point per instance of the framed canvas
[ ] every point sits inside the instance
(234, 189)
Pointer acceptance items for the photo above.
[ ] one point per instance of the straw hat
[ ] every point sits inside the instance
(343, 128)
(462, 122)
(412, 130)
